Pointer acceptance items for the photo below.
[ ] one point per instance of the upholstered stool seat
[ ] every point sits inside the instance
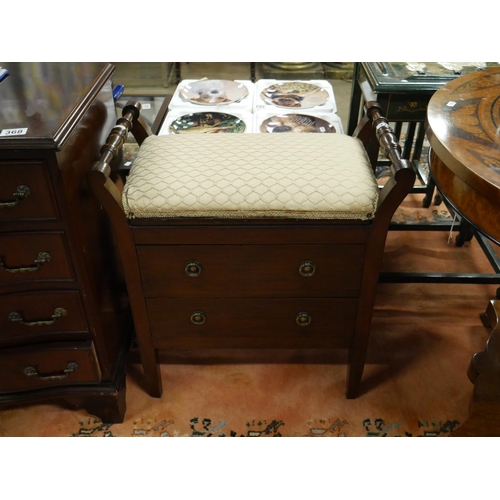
(318, 176)
(260, 241)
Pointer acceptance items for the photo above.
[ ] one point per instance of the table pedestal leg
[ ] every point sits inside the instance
(484, 373)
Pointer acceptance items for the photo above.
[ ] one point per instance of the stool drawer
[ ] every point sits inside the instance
(271, 323)
(251, 270)
(47, 365)
(25, 192)
(33, 257)
(37, 315)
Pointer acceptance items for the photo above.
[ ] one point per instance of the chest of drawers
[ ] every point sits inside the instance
(63, 322)
(297, 288)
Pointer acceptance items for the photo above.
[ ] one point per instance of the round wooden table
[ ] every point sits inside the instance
(463, 128)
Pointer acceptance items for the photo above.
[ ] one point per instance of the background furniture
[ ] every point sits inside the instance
(64, 321)
(403, 91)
(462, 127)
(178, 77)
(146, 76)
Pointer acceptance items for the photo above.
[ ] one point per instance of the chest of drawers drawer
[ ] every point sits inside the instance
(46, 365)
(34, 256)
(41, 315)
(251, 322)
(251, 270)
(25, 192)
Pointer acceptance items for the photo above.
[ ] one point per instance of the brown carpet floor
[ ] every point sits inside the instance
(414, 383)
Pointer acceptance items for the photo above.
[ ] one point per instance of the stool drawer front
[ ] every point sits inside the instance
(25, 192)
(251, 270)
(26, 257)
(47, 365)
(278, 323)
(38, 315)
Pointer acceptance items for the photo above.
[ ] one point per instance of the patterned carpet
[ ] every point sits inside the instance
(422, 215)
(205, 427)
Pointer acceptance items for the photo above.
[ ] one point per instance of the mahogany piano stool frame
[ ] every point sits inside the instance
(342, 316)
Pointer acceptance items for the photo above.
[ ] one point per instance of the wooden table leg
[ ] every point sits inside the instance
(484, 373)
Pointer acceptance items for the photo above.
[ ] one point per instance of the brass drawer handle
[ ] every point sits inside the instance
(21, 193)
(59, 312)
(303, 318)
(31, 371)
(198, 317)
(40, 260)
(307, 268)
(193, 268)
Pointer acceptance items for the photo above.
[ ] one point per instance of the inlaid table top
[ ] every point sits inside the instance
(463, 128)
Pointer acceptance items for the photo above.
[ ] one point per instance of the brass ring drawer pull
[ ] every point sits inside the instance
(31, 371)
(59, 312)
(41, 259)
(193, 268)
(21, 193)
(198, 317)
(303, 318)
(307, 268)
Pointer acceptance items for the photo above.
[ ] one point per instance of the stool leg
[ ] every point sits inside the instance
(366, 304)
(149, 355)
(151, 366)
(355, 368)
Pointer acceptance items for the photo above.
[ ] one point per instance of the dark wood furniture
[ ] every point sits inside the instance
(462, 126)
(403, 90)
(403, 96)
(258, 280)
(484, 373)
(64, 321)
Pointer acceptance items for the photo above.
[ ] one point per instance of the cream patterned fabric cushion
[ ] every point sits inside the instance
(313, 176)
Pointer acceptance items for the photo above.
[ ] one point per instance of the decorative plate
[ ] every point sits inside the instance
(207, 123)
(214, 92)
(295, 95)
(296, 123)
